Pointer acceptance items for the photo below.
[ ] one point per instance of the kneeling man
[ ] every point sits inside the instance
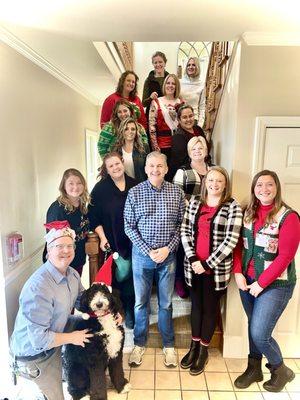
(45, 306)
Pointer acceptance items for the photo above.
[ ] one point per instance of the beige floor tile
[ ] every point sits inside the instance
(236, 364)
(194, 395)
(141, 394)
(148, 363)
(167, 380)
(290, 362)
(112, 394)
(167, 395)
(150, 350)
(160, 366)
(294, 395)
(275, 396)
(182, 352)
(249, 396)
(189, 382)
(252, 388)
(142, 379)
(218, 381)
(297, 361)
(294, 386)
(216, 364)
(222, 396)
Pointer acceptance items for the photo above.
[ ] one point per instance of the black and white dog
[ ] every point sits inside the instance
(84, 367)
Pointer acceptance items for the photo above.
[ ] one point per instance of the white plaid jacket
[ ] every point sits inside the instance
(224, 233)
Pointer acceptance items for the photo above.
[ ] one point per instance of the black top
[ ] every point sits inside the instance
(179, 154)
(79, 222)
(152, 84)
(106, 209)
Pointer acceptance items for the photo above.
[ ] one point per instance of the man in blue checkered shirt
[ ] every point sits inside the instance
(153, 214)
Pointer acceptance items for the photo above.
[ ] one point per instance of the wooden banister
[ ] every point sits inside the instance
(92, 249)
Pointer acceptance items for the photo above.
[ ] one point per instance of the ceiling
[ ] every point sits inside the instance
(61, 32)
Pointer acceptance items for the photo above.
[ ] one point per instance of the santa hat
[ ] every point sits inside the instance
(104, 275)
(58, 229)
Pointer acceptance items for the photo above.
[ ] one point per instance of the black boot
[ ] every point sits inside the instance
(199, 362)
(188, 359)
(279, 377)
(252, 374)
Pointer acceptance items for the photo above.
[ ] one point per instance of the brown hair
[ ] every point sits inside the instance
(121, 82)
(137, 144)
(226, 195)
(103, 170)
(63, 199)
(251, 209)
(114, 115)
(161, 55)
(177, 85)
(196, 61)
(182, 107)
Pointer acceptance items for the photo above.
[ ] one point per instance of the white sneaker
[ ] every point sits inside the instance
(136, 356)
(170, 357)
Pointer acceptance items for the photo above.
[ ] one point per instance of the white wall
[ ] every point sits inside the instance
(264, 81)
(143, 52)
(42, 125)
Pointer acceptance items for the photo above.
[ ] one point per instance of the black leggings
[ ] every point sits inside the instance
(205, 306)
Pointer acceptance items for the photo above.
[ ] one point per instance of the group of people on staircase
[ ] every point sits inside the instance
(169, 213)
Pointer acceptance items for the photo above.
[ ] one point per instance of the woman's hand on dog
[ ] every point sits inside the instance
(119, 319)
(80, 338)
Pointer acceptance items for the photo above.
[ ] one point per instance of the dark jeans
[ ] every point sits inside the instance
(205, 306)
(263, 313)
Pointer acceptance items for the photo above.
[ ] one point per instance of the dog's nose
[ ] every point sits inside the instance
(99, 305)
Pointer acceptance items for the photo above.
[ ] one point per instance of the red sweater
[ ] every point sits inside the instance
(288, 241)
(203, 233)
(108, 106)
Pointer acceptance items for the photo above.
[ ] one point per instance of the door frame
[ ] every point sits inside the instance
(261, 125)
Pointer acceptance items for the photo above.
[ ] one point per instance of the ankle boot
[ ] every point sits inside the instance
(279, 377)
(199, 362)
(188, 359)
(252, 374)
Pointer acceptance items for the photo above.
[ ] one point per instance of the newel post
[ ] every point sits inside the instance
(92, 250)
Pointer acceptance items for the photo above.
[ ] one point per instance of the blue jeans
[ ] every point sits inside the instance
(144, 271)
(263, 313)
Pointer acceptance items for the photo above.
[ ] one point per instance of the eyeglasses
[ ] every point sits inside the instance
(64, 246)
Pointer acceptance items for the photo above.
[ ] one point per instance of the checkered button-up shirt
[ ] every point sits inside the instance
(153, 216)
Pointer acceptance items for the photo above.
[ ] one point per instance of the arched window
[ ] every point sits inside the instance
(201, 50)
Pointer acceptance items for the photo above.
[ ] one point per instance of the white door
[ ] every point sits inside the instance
(93, 160)
(279, 150)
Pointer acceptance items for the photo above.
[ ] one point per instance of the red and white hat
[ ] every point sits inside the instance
(58, 229)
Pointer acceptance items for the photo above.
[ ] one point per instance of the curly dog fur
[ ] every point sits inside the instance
(84, 367)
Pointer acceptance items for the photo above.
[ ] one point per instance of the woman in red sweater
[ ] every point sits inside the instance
(264, 270)
(126, 89)
(209, 233)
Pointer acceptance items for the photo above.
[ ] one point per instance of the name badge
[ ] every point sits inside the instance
(261, 240)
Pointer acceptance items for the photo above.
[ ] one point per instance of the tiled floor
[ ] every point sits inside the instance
(153, 381)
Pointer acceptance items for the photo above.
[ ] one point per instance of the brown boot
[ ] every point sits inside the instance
(252, 374)
(279, 378)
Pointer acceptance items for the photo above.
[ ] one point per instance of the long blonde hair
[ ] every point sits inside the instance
(250, 211)
(63, 199)
(137, 144)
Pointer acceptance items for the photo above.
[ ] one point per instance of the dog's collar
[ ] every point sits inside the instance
(93, 315)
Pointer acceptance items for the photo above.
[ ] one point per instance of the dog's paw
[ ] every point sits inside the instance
(126, 388)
